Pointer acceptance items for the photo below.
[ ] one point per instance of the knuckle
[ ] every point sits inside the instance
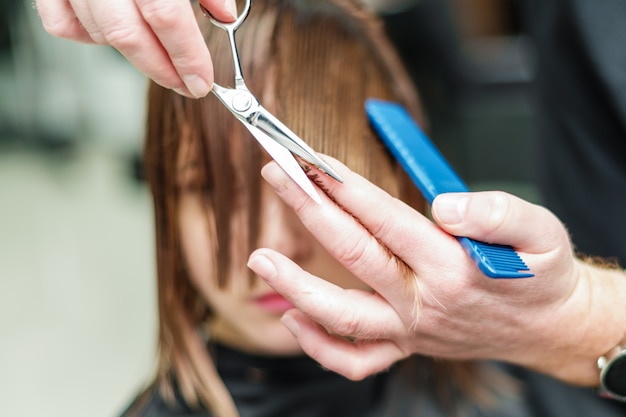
(347, 325)
(351, 255)
(497, 212)
(61, 28)
(384, 225)
(120, 37)
(363, 367)
(356, 373)
(162, 15)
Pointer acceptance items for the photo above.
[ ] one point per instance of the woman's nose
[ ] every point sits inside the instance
(282, 231)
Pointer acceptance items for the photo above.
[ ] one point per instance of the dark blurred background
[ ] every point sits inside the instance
(473, 66)
(77, 313)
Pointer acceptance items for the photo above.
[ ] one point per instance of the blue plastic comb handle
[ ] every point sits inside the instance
(432, 174)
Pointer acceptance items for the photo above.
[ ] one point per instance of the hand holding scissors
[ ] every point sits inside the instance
(276, 138)
(161, 38)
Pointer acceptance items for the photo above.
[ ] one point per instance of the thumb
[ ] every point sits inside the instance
(499, 217)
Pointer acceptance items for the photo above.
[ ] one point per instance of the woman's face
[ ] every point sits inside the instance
(247, 316)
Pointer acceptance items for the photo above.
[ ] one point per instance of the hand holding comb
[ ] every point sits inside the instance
(433, 175)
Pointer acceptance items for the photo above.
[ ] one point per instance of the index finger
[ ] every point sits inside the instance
(174, 24)
(345, 312)
(361, 241)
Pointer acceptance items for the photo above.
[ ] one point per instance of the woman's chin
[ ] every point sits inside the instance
(272, 339)
(278, 342)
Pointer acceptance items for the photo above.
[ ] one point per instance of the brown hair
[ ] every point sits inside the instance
(312, 63)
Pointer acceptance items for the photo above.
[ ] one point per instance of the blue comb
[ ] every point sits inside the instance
(433, 176)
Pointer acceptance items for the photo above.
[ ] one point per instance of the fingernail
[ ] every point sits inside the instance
(291, 324)
(231, 8)
(275, 176)
(450, 208)
(263, 267)
(196, 85)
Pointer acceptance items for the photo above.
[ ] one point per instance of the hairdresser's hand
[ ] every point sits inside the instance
(159, 37)
(429, 297)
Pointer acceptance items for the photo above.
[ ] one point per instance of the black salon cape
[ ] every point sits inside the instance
(271, 386)
(299, 387)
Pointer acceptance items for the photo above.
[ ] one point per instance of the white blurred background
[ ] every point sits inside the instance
(77, 296)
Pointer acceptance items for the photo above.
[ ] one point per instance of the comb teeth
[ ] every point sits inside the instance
(495, 261)
(432, 174)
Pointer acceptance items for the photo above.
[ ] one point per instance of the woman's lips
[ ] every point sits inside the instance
(274, 302)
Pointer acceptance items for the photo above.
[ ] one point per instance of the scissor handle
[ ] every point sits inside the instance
(232, 26)
(230, 29)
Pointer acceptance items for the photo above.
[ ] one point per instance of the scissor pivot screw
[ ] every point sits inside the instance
(242, 102)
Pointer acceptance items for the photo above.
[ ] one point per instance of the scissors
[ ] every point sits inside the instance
(276, 138)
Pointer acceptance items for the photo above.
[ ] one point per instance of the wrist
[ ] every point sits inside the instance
(612, 367)
(598, 323)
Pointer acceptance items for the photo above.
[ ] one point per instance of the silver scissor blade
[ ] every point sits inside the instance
(281, 133)
(245, 107)
(285, 160)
